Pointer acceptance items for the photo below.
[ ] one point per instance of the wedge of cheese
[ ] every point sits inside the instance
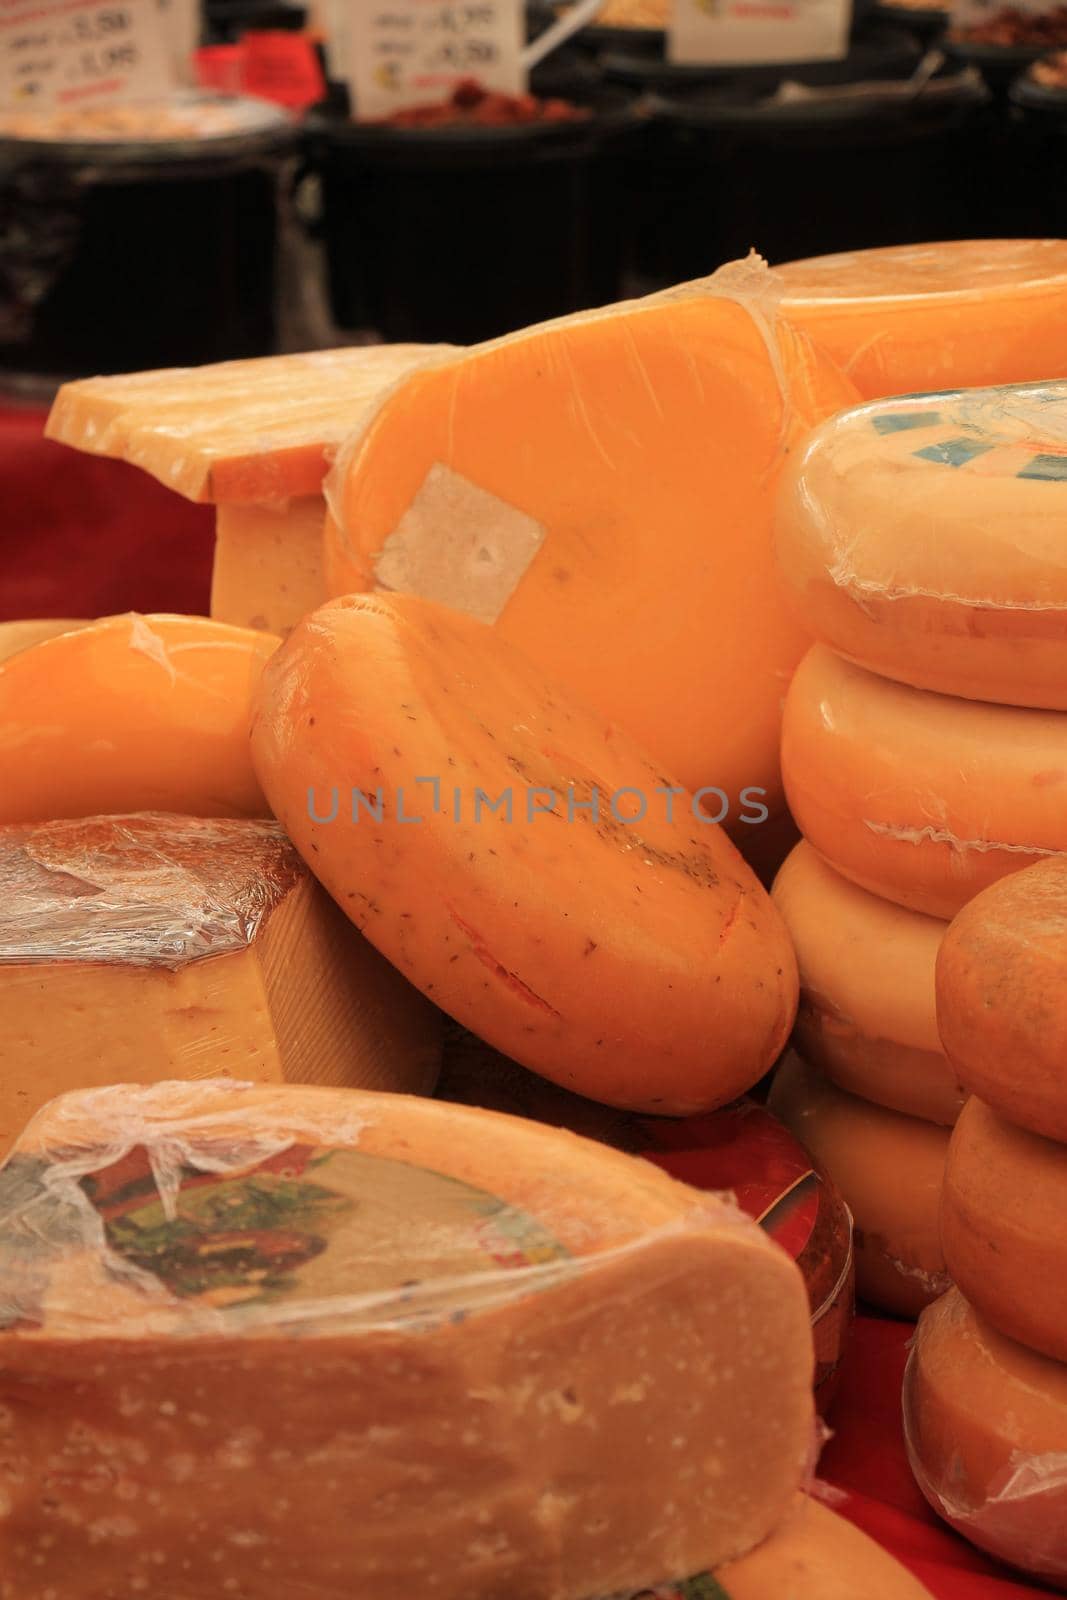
(1002, 997)
(329, 1342)
(921, 538)
(16, 636)
(149, 947)
(936, 316)
(867, 1015)
(921, 798)
(986, 1428)
(520, 860)
(601, 488)
(131, 713)
(890, 1170)
(814, 1555)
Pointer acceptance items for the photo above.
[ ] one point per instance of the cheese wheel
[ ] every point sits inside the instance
(149, 947)
(16, 636)
(921, 798)
(961, 314)
(1004, 1227)
(332, 1342)
(602, 488)
(889, 1168)
(1001, 978)
(520, 861)
(813, 1555)
(131, 713)
(986, 1428)
(920, 538)
(867, 1015)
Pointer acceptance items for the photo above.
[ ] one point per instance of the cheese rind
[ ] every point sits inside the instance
(986, 1427)
(920, 538)
(1003, 1213)
(550, 1370)
(921, 798)
(1001, 972)
(867, 1014)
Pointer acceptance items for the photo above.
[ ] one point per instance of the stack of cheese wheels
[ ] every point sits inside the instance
(987, 1390)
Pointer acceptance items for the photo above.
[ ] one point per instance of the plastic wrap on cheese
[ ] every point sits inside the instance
(329, 1343)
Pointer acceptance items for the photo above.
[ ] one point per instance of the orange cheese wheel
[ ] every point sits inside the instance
(986, 1427)
(132, 713)
(16, 636)
(889, 1169)
(813, 1555)
(937, 316)
(922, 798)
(922, 538)
(602, 488)
(550, 896)
(1004, 1227)
(1002, 997)
(867, 1016)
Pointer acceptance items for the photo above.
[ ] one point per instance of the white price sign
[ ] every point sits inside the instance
(413, 52)
(751, 32)
(63, 53)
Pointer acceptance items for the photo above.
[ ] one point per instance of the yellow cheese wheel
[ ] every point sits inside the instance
(921, 538)
(889, 1169)
(131, 713)
(16, 636)
(922, 798)
(813, 1555)
(602, 488)
(546, 1367)
(1004, 1227)
(986, 1427)
(1002, 997)
(867, 1015)
(937, 316)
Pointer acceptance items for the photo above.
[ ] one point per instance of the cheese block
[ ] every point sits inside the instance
(131, 713)
(986, 1428)
(16, 636)
(953, 315)
(328, 1342)
(602, 488)
(867, 1015)
(1001, 977)
(890, 1170)
(924, 799)
(1004, 1227)
(921, 538)
(524, 864)
(149, 947)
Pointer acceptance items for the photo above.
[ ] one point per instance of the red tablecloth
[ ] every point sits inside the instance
(89, 537)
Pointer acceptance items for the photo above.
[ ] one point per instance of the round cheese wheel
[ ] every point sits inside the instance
(986, 1427)
(1001, 1006)
(131, 713)
(1004, 1227)
(867, 1016)
(518, 859)
(16, 636)
(936, 316)
(813, 1555)
(922, 798)
(889, 1168)
(922, 538)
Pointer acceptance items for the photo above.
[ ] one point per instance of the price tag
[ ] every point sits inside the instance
(413, 52)
(55, 55)
(752, 32)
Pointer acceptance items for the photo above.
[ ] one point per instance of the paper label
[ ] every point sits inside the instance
(63, 53)
(750, 32)
(405, 53)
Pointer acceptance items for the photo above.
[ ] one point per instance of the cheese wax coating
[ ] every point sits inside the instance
(1002, 997)
(961, 314)
(520, 860)
(816, 1555)
(131, 713)
(16, 636)
(356, 1343)
(923, 539)
(922, 798)
(602, 489)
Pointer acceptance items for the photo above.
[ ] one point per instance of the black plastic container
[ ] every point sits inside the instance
(1038, 135)
(458, 233)
(120, 255)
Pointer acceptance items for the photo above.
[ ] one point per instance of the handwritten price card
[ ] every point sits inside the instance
(748, 32)
(413, 52)
(63, 54)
